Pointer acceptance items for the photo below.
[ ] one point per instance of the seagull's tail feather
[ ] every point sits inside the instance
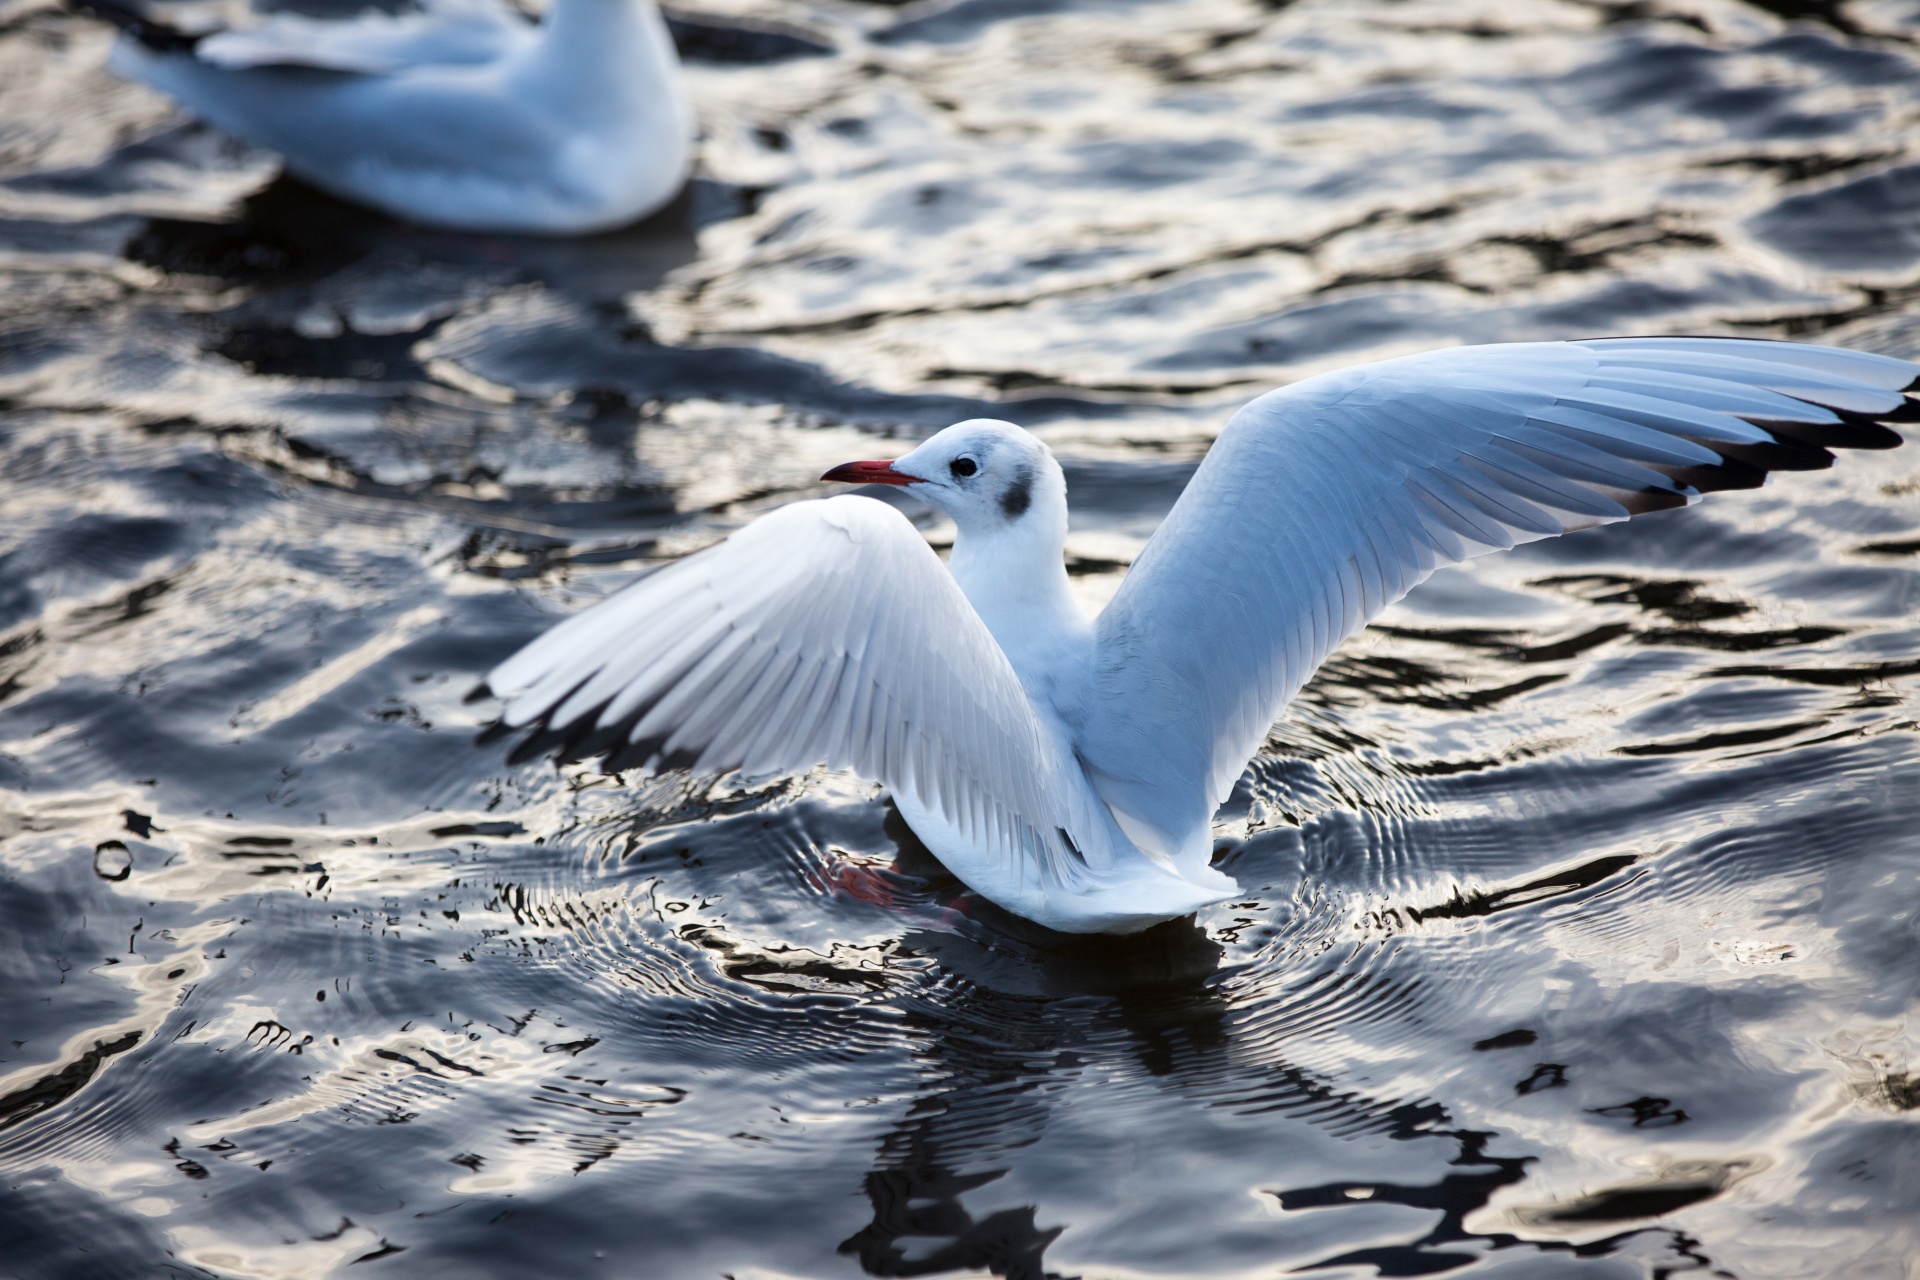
(154, 33)
(1136, 902)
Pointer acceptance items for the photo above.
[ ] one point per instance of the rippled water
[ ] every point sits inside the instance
(1581, 925)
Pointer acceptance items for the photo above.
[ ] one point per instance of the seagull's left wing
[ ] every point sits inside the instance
(825, 633)
(1323, 502)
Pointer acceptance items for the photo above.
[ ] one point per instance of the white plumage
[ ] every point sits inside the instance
(1068, 768)
(461, 114)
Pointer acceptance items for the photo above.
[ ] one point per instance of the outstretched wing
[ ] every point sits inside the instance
(1323, 502)
(825, 633)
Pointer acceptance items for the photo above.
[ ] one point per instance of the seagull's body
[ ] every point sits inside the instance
(461, 114)
(1068, 767)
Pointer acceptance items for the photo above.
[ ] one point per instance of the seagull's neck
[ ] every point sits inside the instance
(1015, 577)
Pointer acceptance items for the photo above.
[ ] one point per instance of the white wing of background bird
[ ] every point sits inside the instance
(444, 32)
(463, 115)
(825, 633)
(1323, 502)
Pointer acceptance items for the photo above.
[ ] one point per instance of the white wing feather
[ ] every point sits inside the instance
(1323, 502)
(827, 633)
(446, 32)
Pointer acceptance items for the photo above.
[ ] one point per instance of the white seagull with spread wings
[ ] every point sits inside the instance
(460, 114)
(1068, 767)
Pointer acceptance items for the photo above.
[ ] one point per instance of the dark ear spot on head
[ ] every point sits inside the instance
(1019, 494)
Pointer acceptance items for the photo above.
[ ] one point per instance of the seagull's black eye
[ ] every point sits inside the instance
(963, 467)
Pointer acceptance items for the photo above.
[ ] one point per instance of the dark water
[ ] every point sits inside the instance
(1581, 926)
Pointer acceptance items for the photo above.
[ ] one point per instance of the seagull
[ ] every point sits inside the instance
(1068, 768)
(461, 114)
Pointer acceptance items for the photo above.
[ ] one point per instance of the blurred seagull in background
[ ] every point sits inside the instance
(461, 114)
(1067, 767)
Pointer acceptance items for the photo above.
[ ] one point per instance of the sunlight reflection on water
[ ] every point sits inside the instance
(1578, 933)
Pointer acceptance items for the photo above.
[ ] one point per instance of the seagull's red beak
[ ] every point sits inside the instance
(881, 472)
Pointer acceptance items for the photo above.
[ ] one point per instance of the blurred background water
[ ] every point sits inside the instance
(1581, 926)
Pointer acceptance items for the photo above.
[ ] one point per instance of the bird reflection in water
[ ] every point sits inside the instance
(1014, 1021)
(1024, 1011)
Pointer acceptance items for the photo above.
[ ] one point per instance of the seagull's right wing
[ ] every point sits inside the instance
(825, 633)
(1323, 502)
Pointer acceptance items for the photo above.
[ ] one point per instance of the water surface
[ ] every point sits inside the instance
(1580, 932)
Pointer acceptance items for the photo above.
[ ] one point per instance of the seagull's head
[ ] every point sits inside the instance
(990, 476)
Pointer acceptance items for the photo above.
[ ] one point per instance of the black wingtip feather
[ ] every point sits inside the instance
(635, 755)
(583, 738)
(1712, 478)
(1651, 498)
(533, 746)
(646, 753)
(479, 693)
(680, 758)
(1909, 410)
(1853, 431)
(544, 739)
(1795, 446)
(1779, 455)
(1803, 446)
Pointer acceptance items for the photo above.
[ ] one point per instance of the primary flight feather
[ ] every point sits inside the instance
(1068, 767)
